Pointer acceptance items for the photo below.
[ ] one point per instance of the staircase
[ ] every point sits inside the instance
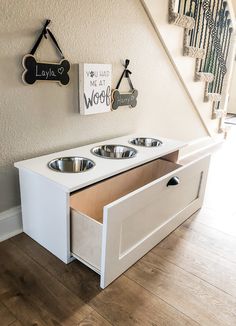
(207, 38)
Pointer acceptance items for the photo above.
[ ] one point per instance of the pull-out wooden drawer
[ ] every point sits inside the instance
(116, 221)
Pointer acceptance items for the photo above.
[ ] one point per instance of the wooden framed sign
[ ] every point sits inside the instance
(94, 88)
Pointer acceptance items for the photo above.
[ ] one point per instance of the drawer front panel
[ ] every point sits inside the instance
(137, 222)
(151, 210)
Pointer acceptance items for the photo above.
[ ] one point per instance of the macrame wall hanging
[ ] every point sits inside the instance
(45, 71)
(124, 99)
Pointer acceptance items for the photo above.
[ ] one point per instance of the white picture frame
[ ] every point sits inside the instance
(94, 88)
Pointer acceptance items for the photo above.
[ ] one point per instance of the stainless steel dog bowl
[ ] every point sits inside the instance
(114, 151)
(146, 142)
(71, 164)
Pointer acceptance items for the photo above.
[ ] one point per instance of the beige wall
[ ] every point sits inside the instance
(43, 118)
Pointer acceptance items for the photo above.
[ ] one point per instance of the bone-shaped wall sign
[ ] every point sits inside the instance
(34, 70)
(124, 99)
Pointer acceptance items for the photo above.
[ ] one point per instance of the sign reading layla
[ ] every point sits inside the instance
(45, 71)
(94, 88)
(124, 99)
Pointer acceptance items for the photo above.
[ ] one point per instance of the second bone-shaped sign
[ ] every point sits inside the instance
(35, 70)
(124, 99)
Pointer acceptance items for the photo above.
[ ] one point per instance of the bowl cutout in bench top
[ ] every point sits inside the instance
(146, 142)
(114, 151)
(73, 164)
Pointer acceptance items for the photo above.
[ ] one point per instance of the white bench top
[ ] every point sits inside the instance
(104, 167)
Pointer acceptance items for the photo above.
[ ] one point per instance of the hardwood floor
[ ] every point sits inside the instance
(188, 279)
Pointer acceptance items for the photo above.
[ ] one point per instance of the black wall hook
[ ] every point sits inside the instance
(45, 31)
(126, 73)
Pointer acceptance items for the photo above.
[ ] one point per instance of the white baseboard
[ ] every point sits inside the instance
(10, 223)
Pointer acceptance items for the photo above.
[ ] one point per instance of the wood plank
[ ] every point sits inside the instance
(94, 319)
(16, 323)
(208, 266)
(208, 238)
(35, 295)
(76, 276)
(27, 311)
(182, 290)
(6, 317)
(126, 303)
(121, 303)
(219, 216)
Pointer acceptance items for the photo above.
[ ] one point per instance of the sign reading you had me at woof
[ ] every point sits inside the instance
(94, 88)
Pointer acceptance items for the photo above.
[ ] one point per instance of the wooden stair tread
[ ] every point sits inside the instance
(194, 52)
(217, 114)
(181, 20)
(207, 77)
(214, 97)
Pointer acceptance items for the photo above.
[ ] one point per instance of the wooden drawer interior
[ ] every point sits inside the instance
(91, 200)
